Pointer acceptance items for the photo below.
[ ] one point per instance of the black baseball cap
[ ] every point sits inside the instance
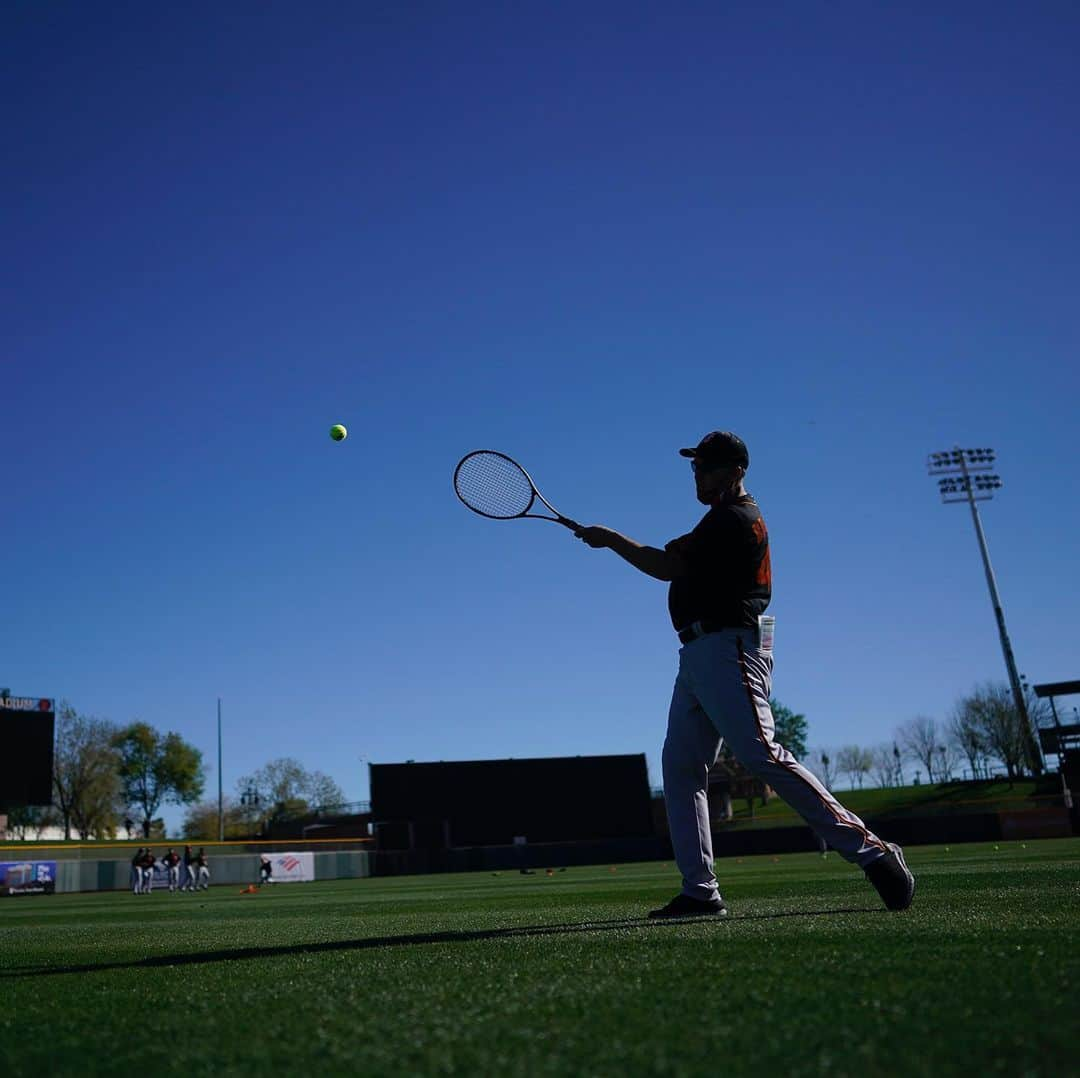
(720, 447)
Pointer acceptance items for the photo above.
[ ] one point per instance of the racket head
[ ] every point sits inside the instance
(494, 485)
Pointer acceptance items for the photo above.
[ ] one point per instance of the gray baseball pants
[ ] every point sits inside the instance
(722, 694)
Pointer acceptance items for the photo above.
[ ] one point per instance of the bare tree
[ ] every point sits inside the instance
(279, 781)
(284, 789)
(864, 764)
(322, 791)
(86, 783)
(201, 820)
(823, 764)
(884, 766)
(855, 762)
(966, 734)
(898, 763)
(949, 757)
(920, 740)
(1000, 724)
(1039, 711)
(847, 757)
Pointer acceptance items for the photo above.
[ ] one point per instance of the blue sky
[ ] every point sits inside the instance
(584, 234)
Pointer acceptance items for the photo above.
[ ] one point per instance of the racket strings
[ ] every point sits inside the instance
(493, 485)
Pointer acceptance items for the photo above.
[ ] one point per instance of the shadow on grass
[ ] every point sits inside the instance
(415, 939)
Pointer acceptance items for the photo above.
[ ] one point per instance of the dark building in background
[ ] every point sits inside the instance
(26, 751)
(495, 802)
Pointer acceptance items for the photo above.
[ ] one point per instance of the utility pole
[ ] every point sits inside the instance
(220, 798)
(967, 480)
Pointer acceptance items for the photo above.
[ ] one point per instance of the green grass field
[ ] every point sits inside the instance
(481, 974)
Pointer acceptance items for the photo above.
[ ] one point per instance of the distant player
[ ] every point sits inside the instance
(136, 871)
(148, 862)
(202, 868)
(171, 861)
(266, 870)
(189, 870)
(720, 586)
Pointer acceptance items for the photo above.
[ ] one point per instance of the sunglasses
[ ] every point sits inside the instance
(699, 468)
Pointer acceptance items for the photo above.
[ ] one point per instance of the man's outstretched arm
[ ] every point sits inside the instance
(654, 562)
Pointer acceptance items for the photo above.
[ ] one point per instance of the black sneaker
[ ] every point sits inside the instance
(685, 906)
(892, 878)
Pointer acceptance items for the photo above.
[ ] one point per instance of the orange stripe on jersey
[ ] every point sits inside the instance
(764, 571)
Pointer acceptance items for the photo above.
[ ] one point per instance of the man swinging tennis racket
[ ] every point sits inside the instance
(720, 586)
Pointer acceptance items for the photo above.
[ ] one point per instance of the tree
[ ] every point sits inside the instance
(845, 762)
(86, 786)
(285, 790)
(790, 729)
(994, 713)
(949, 757)
(823, 765)
(155, 770)
(885, 766)
(966, 734)
(201, 820)
(323, 792)
(1040, 715)
(283, 779)
(920, 740)
(26, 819)
(855, 762)
(1038, 707)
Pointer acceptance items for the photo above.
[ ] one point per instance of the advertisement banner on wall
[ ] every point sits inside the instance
(161, 876)
(292, 867)
(27, 877)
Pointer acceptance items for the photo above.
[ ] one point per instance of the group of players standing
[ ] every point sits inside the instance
(196, 870)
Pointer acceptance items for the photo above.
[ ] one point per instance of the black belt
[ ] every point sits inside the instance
(701, 628)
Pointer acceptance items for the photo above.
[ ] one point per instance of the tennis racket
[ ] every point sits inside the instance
(496, 486)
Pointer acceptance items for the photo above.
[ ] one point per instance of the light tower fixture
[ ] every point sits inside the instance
(966, 478)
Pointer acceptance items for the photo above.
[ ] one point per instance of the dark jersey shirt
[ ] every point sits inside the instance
(729, 575)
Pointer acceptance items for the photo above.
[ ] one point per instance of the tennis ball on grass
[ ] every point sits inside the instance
(338, 432)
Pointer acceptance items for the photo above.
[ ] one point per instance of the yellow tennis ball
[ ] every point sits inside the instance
(338, 432)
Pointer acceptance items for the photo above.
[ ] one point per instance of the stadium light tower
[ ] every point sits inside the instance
(220, 797)
(966, 479)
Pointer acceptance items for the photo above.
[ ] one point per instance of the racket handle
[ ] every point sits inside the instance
(566, 522)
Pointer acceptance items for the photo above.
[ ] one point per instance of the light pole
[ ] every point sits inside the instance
(220, 797)
(966, 479)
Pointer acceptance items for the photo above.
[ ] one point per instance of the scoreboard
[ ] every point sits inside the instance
(26, 751)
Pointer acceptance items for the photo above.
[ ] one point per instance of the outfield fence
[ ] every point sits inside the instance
(96, 866)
